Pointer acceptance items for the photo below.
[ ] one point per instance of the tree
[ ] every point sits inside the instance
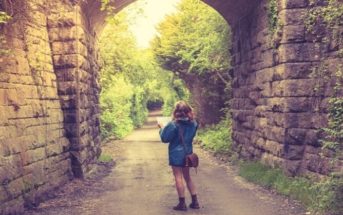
(194, 43)
(194, 40)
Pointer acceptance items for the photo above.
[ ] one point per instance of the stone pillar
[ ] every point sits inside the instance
(75, 64)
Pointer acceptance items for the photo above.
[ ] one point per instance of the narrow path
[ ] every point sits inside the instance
(142, 183)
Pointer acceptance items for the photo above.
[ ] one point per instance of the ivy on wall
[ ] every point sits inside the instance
(330, 14)
(272, 16)
(274, 24)
(324, 21)
(4, 18)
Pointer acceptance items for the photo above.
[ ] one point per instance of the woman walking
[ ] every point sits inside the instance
(183, 123)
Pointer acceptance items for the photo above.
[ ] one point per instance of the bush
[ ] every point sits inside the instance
(217, 137)
(139, 111)
(116, 108)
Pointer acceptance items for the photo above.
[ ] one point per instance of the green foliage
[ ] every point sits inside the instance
(196, 39)
(324, 21)
(322, 196)
(4, 18)
(173, 90)
(105, 5)
(327, 196)
(139, 111)
(217, 137)
(121, 100)
(274, 24)
(116, 107)
(273, 21)
(105, 158)
(331, 15)
(334, 131)
(130, 78)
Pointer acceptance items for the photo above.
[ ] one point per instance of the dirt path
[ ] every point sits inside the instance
(141, 183)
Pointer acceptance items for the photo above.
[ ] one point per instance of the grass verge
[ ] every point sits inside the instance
(323, 197)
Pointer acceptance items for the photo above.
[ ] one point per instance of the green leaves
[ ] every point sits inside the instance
(334, 131)
(116, 106)
(4, 17)
(321, 196)
(196, 39)
(130, 78)
(272, 16)
(217, 137)
(331, 14)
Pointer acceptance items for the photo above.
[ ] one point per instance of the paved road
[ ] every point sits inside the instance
(142, 183)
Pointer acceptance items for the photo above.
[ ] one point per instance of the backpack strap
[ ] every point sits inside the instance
(180, 132)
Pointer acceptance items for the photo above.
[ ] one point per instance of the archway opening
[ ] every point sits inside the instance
(180, 54)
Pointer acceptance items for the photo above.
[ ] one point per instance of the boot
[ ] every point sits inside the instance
(181, 206)
(195, 203)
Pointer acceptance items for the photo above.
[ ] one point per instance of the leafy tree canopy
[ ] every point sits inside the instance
(196, 39)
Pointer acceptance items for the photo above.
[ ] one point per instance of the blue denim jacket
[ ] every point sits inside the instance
(170, 134)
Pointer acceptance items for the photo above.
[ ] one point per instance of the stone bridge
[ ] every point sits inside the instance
(49, 92)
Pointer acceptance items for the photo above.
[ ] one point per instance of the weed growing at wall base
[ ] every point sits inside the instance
(217, 137)
(105, 158)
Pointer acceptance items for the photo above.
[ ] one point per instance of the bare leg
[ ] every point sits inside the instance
(191, 188)
(180, 188)
(189, 182)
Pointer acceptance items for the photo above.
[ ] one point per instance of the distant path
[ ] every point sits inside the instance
(141, 183)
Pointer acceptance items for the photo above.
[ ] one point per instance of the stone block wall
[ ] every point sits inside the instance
(34, 150)
(49, 101)
(277, 113)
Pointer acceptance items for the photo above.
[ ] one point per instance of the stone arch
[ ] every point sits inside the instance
(272, 90)
(89, 16)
